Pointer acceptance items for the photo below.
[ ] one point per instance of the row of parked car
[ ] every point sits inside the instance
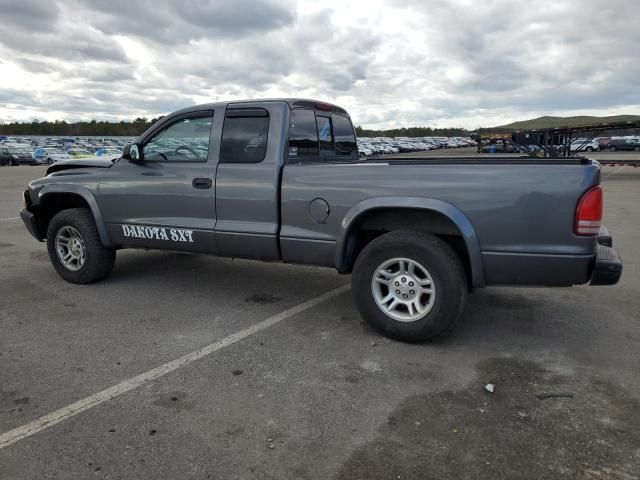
(46, 151)
(379, 145)
(628, 143)
(612, 144)
(33, 151)
(604, 143)
(38, 150)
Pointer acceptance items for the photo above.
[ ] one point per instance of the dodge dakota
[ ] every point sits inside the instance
(281, 180)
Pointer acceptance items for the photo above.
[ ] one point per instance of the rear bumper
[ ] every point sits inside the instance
(32, 224)
(603, 267)
(607, 268)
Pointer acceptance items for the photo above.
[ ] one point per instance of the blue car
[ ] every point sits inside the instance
(110, 152)
(50, 155)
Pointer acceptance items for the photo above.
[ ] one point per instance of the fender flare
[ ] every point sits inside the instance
(88, 197)
(451, 212)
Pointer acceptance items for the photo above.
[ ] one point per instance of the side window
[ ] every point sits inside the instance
(344, 137)
(325, 135)
(186, 140)
(303, 134)
(244, 136)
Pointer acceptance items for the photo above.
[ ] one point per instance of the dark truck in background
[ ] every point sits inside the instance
(281, 180)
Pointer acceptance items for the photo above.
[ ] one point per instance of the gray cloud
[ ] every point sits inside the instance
(172, 22)
(34, 15)
(406, 62)
(62, 43)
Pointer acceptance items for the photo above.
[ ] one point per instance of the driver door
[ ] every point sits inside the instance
(166, 201)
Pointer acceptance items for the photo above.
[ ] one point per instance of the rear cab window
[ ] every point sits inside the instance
(325, 135)
(320, 136)
(303, 134)
(344, 136)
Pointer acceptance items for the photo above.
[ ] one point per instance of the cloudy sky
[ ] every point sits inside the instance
(391, 63)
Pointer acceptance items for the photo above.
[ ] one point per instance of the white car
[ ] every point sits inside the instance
(582, 145)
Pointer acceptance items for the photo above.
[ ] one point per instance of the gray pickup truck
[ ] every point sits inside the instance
(281, 180)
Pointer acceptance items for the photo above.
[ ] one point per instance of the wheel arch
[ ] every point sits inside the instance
(55, 198)
(440, 215)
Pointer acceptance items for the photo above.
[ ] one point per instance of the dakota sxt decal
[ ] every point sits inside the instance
(158, 233)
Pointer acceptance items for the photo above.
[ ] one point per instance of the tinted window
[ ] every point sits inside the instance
(186, 140)
(244, 139)
(325, 135)
(303, 135)
(344, 136)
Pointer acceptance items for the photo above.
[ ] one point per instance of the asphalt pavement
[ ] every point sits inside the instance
(185, 366)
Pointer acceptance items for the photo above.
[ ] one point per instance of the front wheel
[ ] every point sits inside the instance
(75, 249)
(410, 286)
(612, 149)
(589, 149)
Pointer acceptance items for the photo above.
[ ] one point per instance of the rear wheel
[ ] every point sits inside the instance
(75, 249)
(49, 161)
(636, 149)
(589, 149)
(410, 286)
(612, 148)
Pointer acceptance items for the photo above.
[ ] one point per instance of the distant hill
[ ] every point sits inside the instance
(551, 122)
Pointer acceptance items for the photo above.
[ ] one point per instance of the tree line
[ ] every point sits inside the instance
(78, 129)
(414, 132)
(95, 128)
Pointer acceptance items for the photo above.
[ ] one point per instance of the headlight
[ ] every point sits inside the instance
(15, 156)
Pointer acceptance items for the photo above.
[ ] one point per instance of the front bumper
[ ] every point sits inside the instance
(607, 267)
(32, 224)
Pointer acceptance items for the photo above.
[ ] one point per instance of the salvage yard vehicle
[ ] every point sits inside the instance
(50, 155)
(15, 155)
(630, 144)
(281, 180)
(584, 144)
(77, 153)
(110, 152)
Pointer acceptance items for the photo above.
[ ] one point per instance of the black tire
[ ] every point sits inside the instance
(636, 149)
(445, 269)
(49, 161)
(99, 259)
(612, 149)
(589, 149)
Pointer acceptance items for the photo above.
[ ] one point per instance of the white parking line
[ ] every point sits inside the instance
(12, 218)
(69, 411)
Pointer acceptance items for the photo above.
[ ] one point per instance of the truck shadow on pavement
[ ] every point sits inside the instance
(535, 425)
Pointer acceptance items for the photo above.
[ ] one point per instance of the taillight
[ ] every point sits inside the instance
(589, 212)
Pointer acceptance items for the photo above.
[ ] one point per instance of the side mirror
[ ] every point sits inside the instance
(132, 152)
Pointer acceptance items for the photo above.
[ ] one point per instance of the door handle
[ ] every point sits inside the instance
(202, 183)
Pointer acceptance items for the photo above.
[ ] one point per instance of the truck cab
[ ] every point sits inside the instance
(215, 172)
